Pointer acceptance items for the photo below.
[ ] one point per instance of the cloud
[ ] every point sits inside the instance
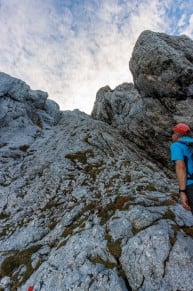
(187, 28)
(72, 48)
(178, 15)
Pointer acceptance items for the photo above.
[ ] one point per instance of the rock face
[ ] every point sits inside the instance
(23, 115)
(146, 122)
(162, 65)
(84, 207)
(160, 97)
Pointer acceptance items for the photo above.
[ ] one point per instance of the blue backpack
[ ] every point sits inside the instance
(190, 146)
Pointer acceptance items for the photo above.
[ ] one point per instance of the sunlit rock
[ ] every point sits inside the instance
(162, 65)
(23, 114)
(162, 94)
(84, 203)
(143, 257)
(144, 121)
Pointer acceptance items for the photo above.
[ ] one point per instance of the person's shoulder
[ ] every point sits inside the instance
(175, 144)
(186, 139)
(177, 147)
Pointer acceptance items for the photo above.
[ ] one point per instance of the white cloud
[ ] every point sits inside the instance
(182, 21)
(188, 29)
(72, 48)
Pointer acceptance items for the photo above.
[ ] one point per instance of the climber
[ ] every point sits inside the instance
(183, 157)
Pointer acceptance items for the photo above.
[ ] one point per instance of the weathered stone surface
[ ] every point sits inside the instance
(74, 203)
(160, 97)
(162, 65)
(182, 257)
(74, 266)
(144, 121)
(143, 257)
(23, 114)
(84, 208)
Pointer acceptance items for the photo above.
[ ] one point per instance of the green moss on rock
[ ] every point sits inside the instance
(98, 260)
(79, 156)
(24, 148)
(188, 230)
(114, 248)
(169, 214)
(12, 263)
(120, 203)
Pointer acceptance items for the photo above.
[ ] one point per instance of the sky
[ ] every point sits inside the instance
(72, 48)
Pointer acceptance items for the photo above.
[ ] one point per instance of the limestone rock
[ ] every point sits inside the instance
(144, 256)
(161, 95)
(144, 121)
(74, 266)
(87, 206)
(181, 249)
(23, 114)
(62, 208)
(162, 65)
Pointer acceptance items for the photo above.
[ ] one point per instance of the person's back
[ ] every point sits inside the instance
(182, 155)
(180, 150)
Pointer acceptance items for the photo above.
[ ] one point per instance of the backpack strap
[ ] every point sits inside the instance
(190, 146)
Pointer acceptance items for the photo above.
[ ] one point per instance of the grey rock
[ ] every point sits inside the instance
(162, 65)
(181, 256)
(71, 267)
(138, 119)
(141, 217)
(52, 109)
(23, 114)
(86, 203)
(38, 98)
(143, 257)
(12, 87)
(119, 226)
(75, 177)
(144, 113)
(182, 218)
(5, 283)
(22, 237)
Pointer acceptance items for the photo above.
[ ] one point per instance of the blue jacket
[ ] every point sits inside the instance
(181, 151)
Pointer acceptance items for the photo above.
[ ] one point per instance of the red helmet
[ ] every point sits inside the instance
(181, 128)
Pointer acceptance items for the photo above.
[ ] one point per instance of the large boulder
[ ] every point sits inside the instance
(162, 65)
(23, 115)
(145, 112)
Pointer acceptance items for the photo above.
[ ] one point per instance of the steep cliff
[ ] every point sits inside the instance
(162, 94)
(84, 202)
